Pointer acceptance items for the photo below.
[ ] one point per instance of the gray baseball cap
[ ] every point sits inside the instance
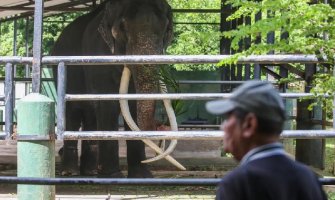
(259, 97)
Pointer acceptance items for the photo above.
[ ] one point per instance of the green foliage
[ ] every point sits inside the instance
(306, 24)
(195, 39)
(52, 27)
(331, 195)
(310, 27)
(323, 84)
(167, 78)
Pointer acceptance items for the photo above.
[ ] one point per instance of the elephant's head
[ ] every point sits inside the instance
(139, 27)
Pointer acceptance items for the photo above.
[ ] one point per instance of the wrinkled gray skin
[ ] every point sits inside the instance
(119, 27)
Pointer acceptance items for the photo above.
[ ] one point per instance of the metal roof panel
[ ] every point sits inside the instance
(16, 8)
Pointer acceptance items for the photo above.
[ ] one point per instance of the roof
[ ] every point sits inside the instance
(10, 9)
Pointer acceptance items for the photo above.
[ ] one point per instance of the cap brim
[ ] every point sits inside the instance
(220, 107)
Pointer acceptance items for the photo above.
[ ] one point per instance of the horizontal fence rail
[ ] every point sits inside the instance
(16, 60)
(16, 79)
(166, 59)
(183, 135)
(173, 96)
(122, 181)
(161, 59)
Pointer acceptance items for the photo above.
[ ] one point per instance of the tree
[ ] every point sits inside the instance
(52, 27)
(310, 27)
(196, 39)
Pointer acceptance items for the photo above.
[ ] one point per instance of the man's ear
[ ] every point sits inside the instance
(249, 125)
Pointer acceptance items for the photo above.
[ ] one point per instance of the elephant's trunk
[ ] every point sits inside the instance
(145, 76)
(146, 82)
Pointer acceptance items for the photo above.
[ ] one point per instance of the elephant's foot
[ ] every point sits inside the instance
(115, 174)
(88, 161)
(70, 172)
(69, 162)
(88, 171)
(139, 171)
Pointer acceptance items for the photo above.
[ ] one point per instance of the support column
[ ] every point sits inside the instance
(37, 46)
(257, 68)
(310, 152)
(27, 52)
(9, 100)
(289, 144)
(36, 145)
(225, 25)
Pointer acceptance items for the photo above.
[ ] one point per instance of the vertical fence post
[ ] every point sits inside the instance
(225, 43)
(26, 68)
(247, 44)
(15, 43)
(61, 104)
(36, 145)
(9, 100)
(310, 152)
(37, 46)
(257, 67)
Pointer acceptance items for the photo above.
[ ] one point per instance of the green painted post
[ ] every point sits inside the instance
(36, 145)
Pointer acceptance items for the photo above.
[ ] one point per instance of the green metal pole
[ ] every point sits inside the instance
(36, 145)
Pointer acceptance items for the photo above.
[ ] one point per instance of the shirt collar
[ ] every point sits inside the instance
(263, 151)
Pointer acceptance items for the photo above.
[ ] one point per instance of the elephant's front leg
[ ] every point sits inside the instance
(89, 157)
(108, 157)
(136, 153)
(89, 148)
(69, 151)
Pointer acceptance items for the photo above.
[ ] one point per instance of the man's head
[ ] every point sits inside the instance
(254, 114)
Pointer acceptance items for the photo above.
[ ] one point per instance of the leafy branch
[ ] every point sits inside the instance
(310, 29)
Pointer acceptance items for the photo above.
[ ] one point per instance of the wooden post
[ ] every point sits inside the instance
(225, 25)
(36, 145)
(310, 152)
(257, 68)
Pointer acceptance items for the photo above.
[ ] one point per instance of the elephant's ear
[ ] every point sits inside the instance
(105, 26)
(169, 31)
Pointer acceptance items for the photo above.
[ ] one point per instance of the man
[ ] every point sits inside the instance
(255, 115)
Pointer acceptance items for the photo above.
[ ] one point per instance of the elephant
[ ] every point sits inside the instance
(115, 27)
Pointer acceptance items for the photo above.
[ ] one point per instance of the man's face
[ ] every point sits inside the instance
(233, 141)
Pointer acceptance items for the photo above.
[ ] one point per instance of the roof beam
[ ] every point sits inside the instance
(23, 8)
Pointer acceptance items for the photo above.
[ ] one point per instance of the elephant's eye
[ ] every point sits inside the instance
(123, 25)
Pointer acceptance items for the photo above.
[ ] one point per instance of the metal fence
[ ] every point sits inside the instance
(107, 135)
(160, 59)
(36, 61)
(63, 61)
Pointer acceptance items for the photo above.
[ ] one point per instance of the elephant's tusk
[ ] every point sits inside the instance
(162, 144)
(169, 158)
(124, 85)
(129, 120)
(173, 124)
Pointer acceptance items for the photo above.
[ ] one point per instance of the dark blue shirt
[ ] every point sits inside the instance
(267, 173)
